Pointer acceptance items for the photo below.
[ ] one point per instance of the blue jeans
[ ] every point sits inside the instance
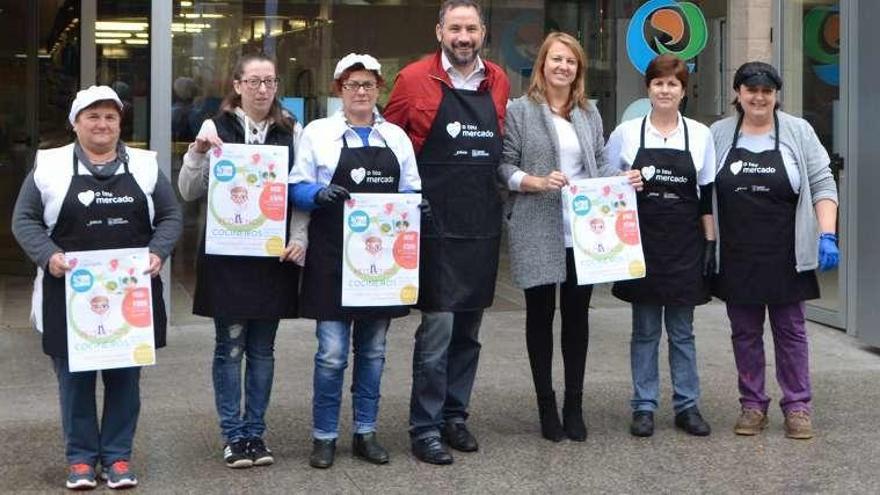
(86, 442)
(647, 322)
(234, 340)
(330, 363)
(445, 359)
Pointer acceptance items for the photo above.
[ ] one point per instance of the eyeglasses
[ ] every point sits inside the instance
(353, 86)
(254, 82)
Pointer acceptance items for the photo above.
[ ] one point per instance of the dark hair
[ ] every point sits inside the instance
(667, 65)
(756, 74)
(454, 4)
(337, 83)
(278, 115)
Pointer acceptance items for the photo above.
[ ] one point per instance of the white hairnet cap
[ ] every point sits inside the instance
(87, 97)
(368, 61)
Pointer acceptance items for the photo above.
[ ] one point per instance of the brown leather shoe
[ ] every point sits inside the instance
(798, 425)
(750, 422)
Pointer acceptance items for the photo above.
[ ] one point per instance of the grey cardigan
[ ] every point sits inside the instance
(817, 183)
(534, 220)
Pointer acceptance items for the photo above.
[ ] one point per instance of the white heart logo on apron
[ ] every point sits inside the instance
(736, 166)
(86, 197)
(648, 172)
(454, 129)
(358, 174)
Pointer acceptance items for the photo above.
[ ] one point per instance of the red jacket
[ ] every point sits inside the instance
(416, 96)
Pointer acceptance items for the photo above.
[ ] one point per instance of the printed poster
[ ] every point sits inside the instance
(380, 253)
(605, 234)
(109, 309)
(247, 200)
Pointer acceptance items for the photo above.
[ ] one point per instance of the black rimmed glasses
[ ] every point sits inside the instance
(354, 86)
(255, 82)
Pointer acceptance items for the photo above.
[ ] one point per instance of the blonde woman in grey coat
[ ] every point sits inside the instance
(552, 135)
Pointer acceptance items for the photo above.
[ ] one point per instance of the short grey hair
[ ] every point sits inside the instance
(454, 4)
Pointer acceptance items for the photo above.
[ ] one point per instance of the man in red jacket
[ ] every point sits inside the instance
(452, 105)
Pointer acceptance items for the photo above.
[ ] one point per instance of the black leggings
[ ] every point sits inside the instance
(540, 309)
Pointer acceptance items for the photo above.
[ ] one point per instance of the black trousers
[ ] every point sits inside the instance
(574, 305)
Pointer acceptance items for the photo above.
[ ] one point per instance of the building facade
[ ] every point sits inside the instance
(171, 62)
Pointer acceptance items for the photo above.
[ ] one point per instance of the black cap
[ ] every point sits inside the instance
(757, 74)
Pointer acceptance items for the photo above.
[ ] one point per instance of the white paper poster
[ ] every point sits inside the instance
(604, 229)
(247, 200)
(380, 253)
(109, 309)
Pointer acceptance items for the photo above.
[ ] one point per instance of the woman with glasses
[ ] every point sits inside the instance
(334, 156)
(246, 296)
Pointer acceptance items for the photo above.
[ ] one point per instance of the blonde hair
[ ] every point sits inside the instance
(538, 86)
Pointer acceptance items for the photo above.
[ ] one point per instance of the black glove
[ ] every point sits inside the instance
(331, 195)
(709, 259)
(425, 207)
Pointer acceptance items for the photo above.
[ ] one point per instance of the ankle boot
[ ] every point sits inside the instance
(573, 416)
(551, 429)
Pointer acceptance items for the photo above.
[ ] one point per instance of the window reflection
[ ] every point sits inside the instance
(122, 39)
(308, 38)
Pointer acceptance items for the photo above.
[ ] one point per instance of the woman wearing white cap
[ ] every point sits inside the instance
(331, 153)
(246, 296)
(56, 212)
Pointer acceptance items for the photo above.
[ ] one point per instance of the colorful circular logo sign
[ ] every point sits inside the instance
(358, 221)
(224, 170)
(581, 205)
(822, 42)
(665, 26)
(82, 280)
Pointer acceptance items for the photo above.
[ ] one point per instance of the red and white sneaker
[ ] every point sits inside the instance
(119, 475)
(81, 477)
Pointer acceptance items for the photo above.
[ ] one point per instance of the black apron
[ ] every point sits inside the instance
(322, 276)
(460, 240)
(246, 287)
(86, 228)
(756, 216)
(672, 235)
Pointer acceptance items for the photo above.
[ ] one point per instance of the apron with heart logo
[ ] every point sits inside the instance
(461, 237)
(97, 213)
(672, 235)
(368, 169)
(756, 218)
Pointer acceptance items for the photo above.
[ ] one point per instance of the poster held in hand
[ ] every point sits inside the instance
(604, 223)
(380, 252)
(247, 200)
(109, 309)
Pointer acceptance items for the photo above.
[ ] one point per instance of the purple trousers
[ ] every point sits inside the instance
(790, 346)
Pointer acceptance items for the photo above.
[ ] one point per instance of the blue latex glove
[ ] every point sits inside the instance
(829, 255)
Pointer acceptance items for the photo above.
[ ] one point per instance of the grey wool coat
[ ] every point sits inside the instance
(534, 220)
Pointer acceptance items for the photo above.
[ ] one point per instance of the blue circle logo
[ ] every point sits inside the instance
(224, 170)
(358, 221)
(82, 280)
(581, 205)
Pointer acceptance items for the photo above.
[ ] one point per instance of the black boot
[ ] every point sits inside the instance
(367, 447)
(551, 428)
(573, 416)
(323, 453)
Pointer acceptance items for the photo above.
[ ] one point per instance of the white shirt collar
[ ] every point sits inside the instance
(340, 125)
(254, 131)
(649, 128)
(479, 68)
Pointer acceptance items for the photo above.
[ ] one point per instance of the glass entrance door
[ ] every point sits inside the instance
(811, 47)
(39, 60)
